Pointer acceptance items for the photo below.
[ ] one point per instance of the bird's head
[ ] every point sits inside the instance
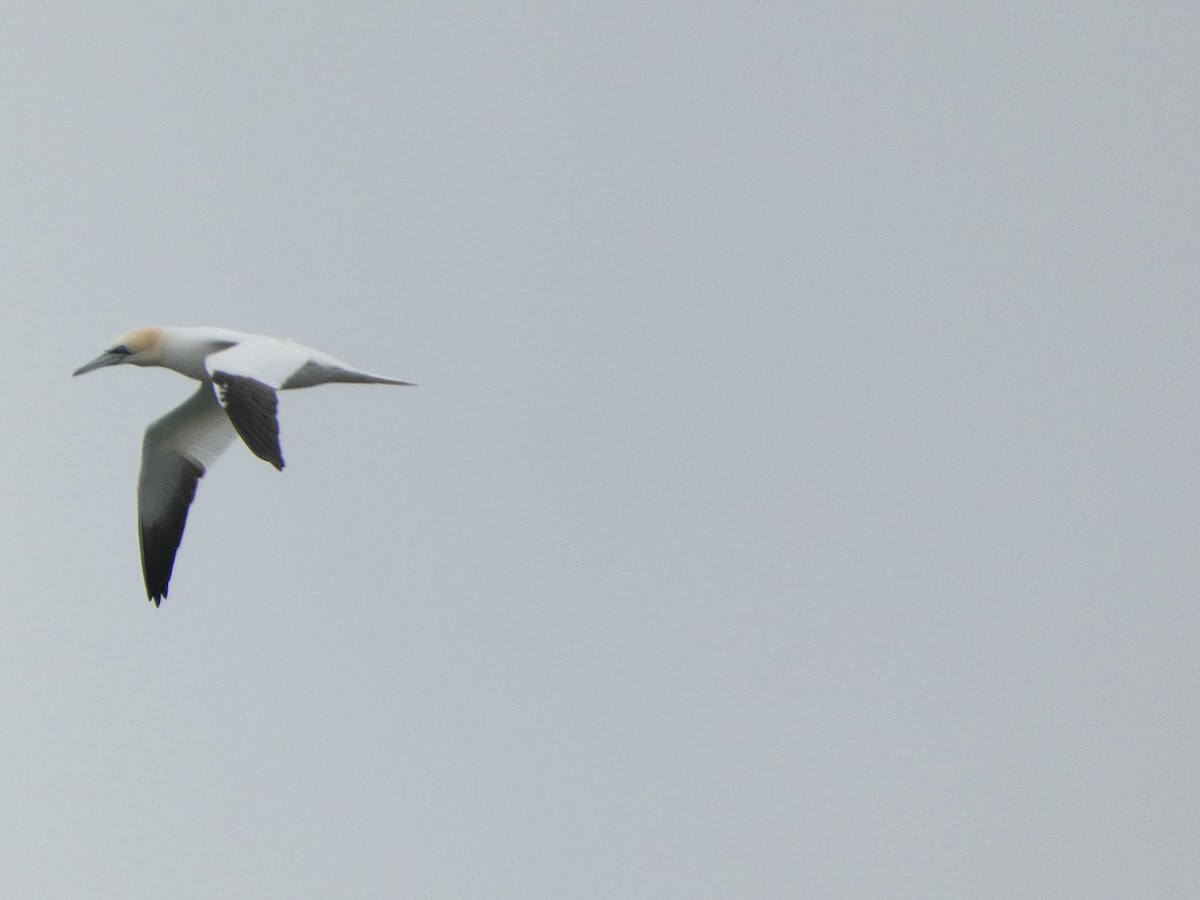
(140, 347)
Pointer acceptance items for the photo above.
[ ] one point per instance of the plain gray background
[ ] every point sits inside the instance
(800, 499)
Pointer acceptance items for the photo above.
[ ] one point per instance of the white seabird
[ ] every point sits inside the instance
(246, 371)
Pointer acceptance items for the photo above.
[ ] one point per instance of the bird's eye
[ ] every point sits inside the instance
(120, 350)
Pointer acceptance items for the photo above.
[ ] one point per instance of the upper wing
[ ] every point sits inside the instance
(175, 453)
(251, 406)
(247, 376)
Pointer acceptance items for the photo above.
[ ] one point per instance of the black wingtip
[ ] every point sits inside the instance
(160, 541)
(252, 406)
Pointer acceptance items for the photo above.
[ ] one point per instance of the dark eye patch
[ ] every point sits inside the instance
(120, 350)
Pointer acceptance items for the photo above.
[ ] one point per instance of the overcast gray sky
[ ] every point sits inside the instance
(800, 499)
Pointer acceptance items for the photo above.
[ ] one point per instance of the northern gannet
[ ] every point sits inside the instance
(239, 375)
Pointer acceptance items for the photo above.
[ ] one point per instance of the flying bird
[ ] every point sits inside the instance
(239, 375)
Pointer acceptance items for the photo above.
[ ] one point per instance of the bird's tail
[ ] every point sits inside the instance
(366, 378)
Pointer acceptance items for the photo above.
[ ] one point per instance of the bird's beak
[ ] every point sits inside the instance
(104, 359)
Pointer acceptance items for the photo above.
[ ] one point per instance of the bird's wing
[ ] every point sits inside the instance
(175, 453)
(247, 376)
